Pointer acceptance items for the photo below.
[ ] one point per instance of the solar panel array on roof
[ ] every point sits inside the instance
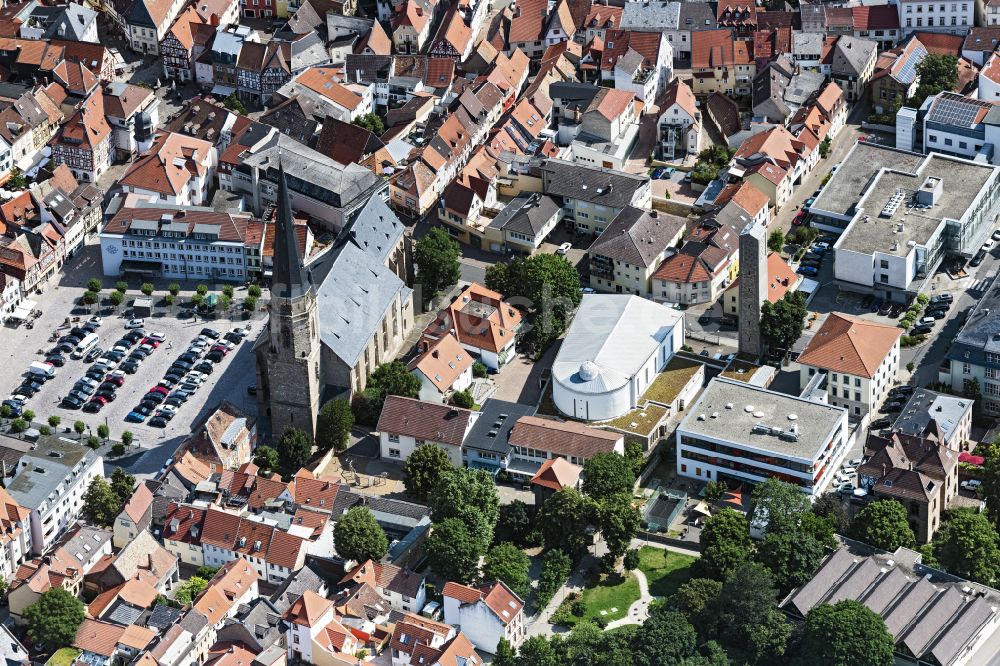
(956, 111)
(909, 70)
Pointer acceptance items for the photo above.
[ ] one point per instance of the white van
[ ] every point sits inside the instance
(89, 342)
(43, 370)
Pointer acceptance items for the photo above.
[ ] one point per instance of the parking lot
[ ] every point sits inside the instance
(177, 335)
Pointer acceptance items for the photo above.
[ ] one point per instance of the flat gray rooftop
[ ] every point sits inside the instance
(982, 326)
(731, 409)
(924, 405)
(961, 183)
(855, 173)
(44, 469)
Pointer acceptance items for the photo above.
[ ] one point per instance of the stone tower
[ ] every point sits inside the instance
(753, 288)
(292, 356)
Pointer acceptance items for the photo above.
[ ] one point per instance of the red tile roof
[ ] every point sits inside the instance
(430, 421)
(850, 344)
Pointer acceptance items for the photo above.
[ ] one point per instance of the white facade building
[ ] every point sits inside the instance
(925, 15)
(50, 482)
(485, 615)
(614, 349)
(745, 433)
(406, 424)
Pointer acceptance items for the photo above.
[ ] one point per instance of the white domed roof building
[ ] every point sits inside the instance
(613, 351)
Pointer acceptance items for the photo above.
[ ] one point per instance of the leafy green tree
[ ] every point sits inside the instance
(44, 430)
(254, 290)
(471, 496)
(103, 431)
(201, 289)
(227, 290)
(423, 468)
(883, 524)
(54, 421)
(116, 298)
(618, 519)
(189, 590)
(94, 284)
(6, 411)
(966, 545)
(294, 451)
(697, 599)
(517, 524)
(392, 378)
(333, 426)
(79, 427)
(436, 258)
(233, 103)
(776, 241)
(777, 506)
(358, 536)
(28, 415)
(174, 288)
(750, 623)
(121, 287)
(791, 557)
(225, 302)
(91, 297)
(463, 399)
(250, 303)
(169, 299)
(938, 72)
(715, 491)
(974, 392)
(100, 503)
(606, 475)
(505, 655)
(266, 458)
(17, 180)
(829, 506)
(563, 521)
(453, 551)
(53, 620)
(122, 485)
(824, 147)
(206, 572)
(147, 288)
(371, 122)
(547, 284)
(631, 560)
(117, 449)
(845, 634)
(990, 489)
(94, 442)
(508, 563)
(725, 542)
(781, 323)
(479, 370)
(537, 651)
(664, 639)
(127, 438)
(18, 425)
(556, 567)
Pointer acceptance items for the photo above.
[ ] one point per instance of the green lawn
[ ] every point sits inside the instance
(63, 657)
(612, 592)
(665, 571)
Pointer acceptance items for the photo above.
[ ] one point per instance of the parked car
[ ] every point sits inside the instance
(902, 390)
(134, 323)
(657, 174)
(108, 396)
(71, 402)
(855, 462)
(135, 417)
(800, 218)
(978, 259)
(16, 406)
(564, 248)
(891, 407)
(820, 247)
(922, 329)
(846, 489)
(988, 245)
(93, 406)
(848, 470)
(154, 396)
(57, 360)
(131, 366)
(210, 333)
(937, 314)
(809, 271)
(214, 356)
(93, 354)
(971, 484)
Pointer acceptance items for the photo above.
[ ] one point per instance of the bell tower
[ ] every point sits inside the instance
(292, 356)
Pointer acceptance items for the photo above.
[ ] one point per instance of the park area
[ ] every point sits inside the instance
(607, 597)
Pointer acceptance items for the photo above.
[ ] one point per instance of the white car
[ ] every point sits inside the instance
(564, 248)
(242, 332)
(848, 471)
(134, 323)
(988, 245)
(856, 462)
(996, 235)
(972, 484)
(96, 321)
(930, 321)
(200, 376)
(168, 409)
(821, 246)
(156, 335)
(117, 373)
(846, 488)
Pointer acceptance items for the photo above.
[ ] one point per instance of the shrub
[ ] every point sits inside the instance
(147, 288)
(127, 437)
(28, 415)
(254, 290)
(169, 299)
(118, 449)
(102, 431)
(121, 286)
(578, 608)
(479, 370)
(202, 289)
(228, 290)
(54, 421)
(93, 441)
(174, 288)
(93, 284)
(463, 399)
(18, 425)
(250, 303)
(923, 299)
(45, 430)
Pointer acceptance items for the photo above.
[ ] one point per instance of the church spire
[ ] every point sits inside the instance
(290, 278)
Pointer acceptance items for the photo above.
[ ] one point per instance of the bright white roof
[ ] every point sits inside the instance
(610, 339)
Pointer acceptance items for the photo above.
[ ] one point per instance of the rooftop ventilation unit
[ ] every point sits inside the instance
(894, 201)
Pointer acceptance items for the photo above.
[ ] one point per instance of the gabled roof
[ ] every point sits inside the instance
(851, 345)
(169, 165)
(678, 92)
(308, 610)
(780, 278)
(443, 362)
(138, 504)
(429, 421)
(718, 48)
(562, 438)
(497, 597)
(557, 473)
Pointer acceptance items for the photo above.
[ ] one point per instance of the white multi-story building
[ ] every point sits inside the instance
(485, 614)
(177, 242)
(860, 358)
(406, 424)
(50, 482)
(742, 433)
(926, 15)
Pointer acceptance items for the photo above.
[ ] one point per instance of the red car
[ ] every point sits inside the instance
(220, 348)
(159, 389)
(100, 399)
(800, 218)
(151, 342)
(115, 379)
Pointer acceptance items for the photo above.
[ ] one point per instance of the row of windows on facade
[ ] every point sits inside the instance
(212, 259)
(941, 8)
(221, 249)
(930, 22)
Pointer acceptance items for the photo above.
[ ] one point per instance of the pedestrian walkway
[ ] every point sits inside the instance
(638, 612)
